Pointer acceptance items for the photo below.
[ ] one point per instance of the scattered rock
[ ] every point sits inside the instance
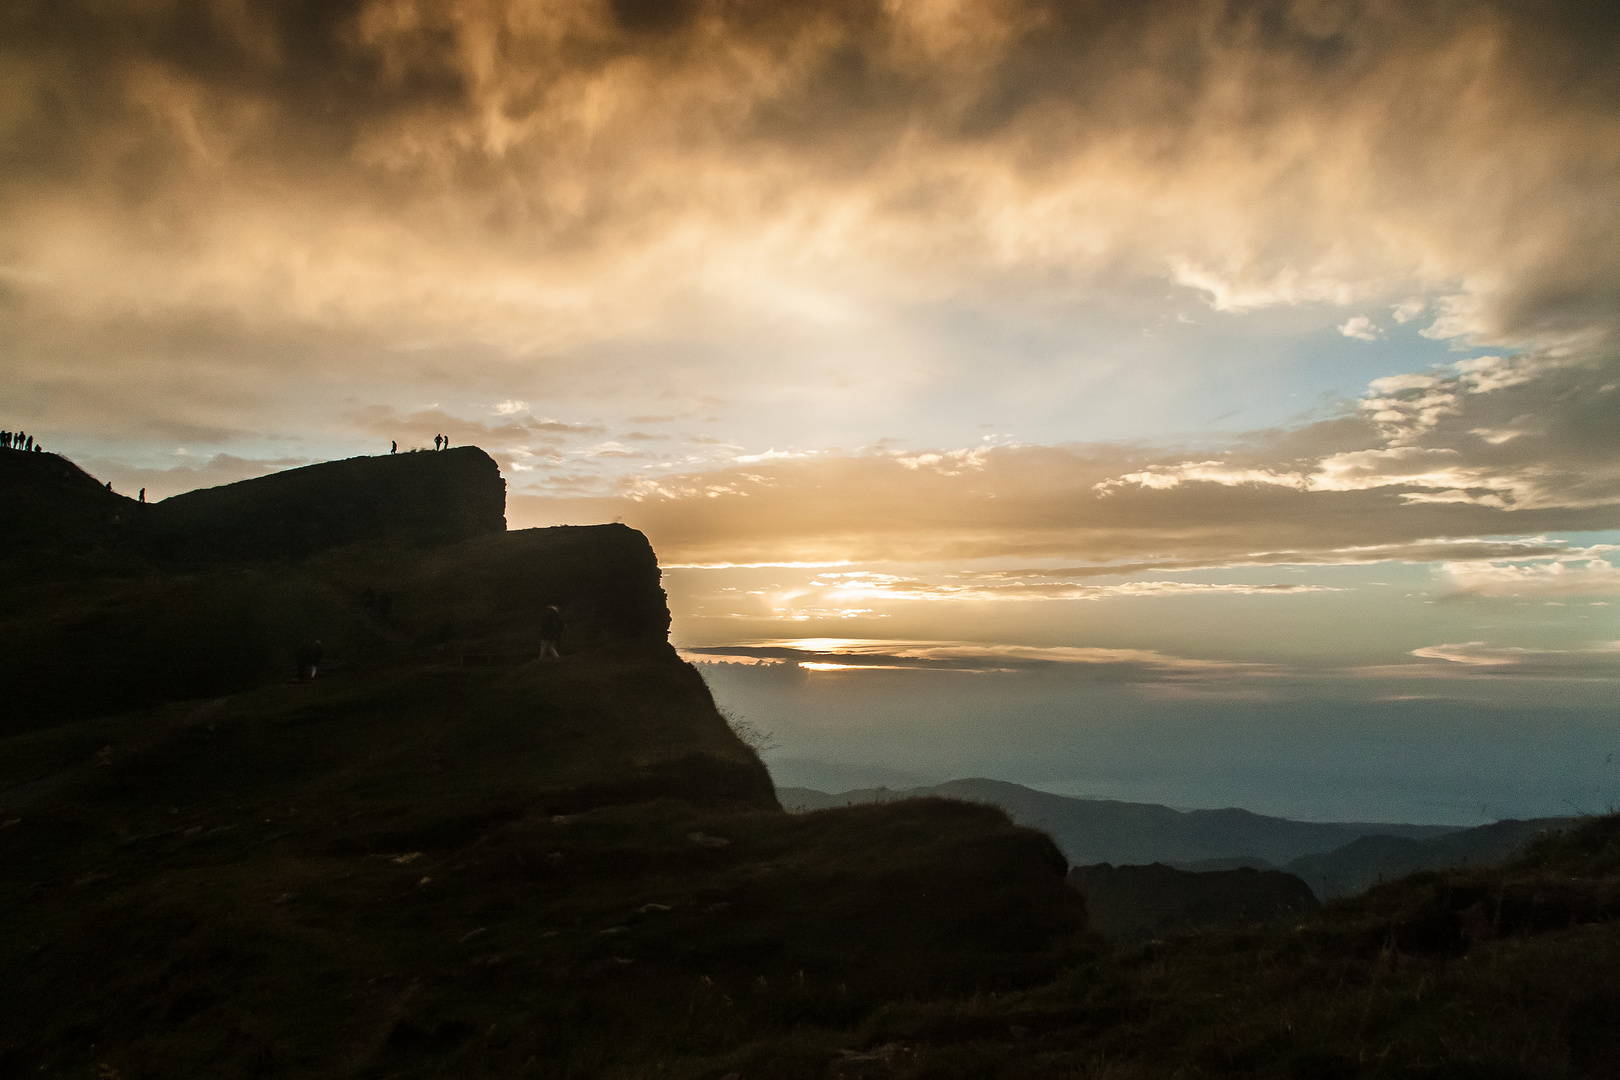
(705, 840)
(648, 909)
(469, 935)
(407, 858)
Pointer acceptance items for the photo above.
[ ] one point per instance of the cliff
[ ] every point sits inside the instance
(442, 854)
(418, 498)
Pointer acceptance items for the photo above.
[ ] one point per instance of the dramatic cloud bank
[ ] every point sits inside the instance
(207, 206)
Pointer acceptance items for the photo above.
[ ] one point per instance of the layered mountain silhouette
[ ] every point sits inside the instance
(1333, 858)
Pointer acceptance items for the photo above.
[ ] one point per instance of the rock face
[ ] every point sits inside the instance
(1138, 903)
(444, 855)
(419, 498)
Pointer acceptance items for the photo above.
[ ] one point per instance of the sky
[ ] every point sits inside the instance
(1210, 403)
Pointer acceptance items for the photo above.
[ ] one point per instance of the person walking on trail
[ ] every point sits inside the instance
(143, 494)
(309, 657)
(551, 632)
(393, 447)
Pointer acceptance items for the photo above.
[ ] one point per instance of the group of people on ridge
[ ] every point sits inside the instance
(17, 440)
(440, 442)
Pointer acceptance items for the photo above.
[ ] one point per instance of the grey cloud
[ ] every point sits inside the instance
(1109, 665)
(1481, 660)
(1461, 550)
(1040, 502)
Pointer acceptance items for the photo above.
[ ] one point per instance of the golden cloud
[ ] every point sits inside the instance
(400, 182)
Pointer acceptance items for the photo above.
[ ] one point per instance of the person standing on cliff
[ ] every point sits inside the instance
(551, 632)
(393, 447)
(143, 494)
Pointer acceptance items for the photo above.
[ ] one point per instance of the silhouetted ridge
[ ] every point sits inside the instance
(423, 498)
(57, 507)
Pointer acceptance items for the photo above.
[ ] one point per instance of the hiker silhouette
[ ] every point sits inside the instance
(551, 632)
(143, 494)
(309, 657)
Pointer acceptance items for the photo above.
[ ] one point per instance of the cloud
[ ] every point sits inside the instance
(1407, 310)
(1476, 659)
(1421, 551)
(434, 193)
(1535, 413)
(1408, 467)
(854, 654)
(1581, 572)
(1361, 328)
(837, 590)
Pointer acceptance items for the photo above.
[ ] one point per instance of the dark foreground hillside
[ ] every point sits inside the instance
(442, 855)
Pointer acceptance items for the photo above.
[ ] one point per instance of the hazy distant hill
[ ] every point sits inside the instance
(1333, 858)
(1124, 833)
(1369, 859)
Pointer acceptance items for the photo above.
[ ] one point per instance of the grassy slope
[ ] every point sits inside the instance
(1488, 973)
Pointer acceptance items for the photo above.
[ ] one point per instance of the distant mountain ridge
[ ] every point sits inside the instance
(1125, 833)
(1334, 858)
